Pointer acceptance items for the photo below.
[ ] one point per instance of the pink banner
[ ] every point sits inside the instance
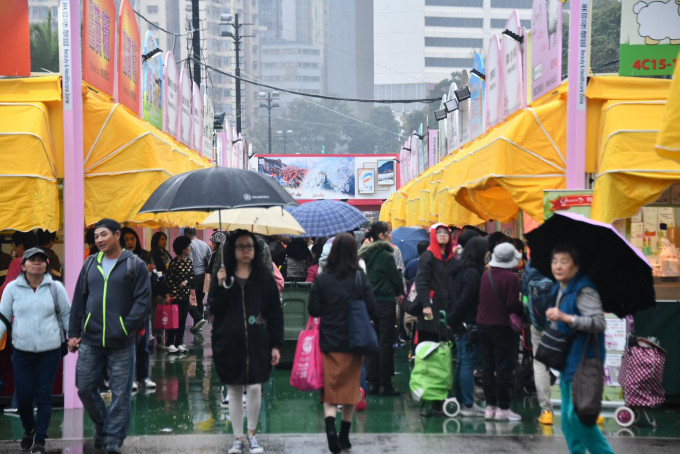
(196, 118)
(493, 105)
(171, 104)
(185, 108)
(546, 47)
(513, 86)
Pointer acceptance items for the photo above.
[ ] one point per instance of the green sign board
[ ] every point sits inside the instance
(650, 37)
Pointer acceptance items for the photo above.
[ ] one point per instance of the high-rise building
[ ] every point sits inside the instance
(418, 44)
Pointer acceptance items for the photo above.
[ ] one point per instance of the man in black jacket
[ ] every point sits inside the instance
(111, 302)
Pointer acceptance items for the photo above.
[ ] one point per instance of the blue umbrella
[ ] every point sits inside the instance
(327, 217)
(407, 239)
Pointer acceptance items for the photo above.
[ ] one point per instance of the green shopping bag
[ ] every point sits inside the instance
(432, 375)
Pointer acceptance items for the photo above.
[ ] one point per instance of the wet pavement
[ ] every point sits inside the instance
(184, 414)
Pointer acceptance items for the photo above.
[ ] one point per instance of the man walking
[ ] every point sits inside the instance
(200, 256)
(110, 303)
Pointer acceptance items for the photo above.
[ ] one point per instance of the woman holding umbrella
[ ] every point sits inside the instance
(578, 312)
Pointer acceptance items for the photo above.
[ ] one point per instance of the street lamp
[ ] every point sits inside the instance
(284, 136)
(226, 19)
(267, 97)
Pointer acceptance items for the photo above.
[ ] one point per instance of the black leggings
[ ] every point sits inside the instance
(498, 345)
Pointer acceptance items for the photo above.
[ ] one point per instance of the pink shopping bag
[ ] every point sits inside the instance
(167, 316)
(307, 373)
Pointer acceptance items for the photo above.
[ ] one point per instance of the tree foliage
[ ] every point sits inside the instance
(44, 46)
(413, 119)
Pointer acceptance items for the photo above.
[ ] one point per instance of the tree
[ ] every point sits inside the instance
(44, 46)
(381, 135)
(412, 120)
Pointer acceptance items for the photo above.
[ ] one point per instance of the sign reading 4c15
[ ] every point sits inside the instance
(650, 37)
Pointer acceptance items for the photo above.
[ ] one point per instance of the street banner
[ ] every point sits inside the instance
(433, 137)
(220, 142)
(99, 47)
(415, 151)
(574, 201)
(15, 41)
(226, 158)
(421, 151)
(453, 119)
(236, 148)
(650, 37)
(208, 123)
(477, 97)
(197, 118)
(152, 93)
(493, 83)
(546, 47)
(464, 110)
(129, 82)
(513, 88)
(185, 119)
(170, 98)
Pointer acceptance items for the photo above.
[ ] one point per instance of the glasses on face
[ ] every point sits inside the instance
(245, 247)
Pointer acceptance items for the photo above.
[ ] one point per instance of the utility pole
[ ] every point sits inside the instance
(236, 36)
(284, 136)
(268, 96)
(196, 41)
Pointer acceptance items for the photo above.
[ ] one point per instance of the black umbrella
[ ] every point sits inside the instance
(621, 273)
(216, 188)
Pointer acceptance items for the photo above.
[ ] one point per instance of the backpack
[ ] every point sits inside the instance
(537, 295)
(130, 273)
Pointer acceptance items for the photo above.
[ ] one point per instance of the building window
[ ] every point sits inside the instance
(500, 23)
(454, 42)
(462, 3)
(152, 9)
(460, 22)
(448, 62)
(520, 4)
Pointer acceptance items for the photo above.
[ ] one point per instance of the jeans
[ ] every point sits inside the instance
(142, 353)
(34, 375)
(579, 436)
(467, 362)
(113, 423)
(380, 366)
(541, 374)
(498, 347)
(176, 336)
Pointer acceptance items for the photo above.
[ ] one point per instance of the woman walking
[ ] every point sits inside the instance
(181, 287)
(39, 309)
(342, 280)
(387, 284)
(247, 331)
(578, 312)
(498, 298)
(159, 253)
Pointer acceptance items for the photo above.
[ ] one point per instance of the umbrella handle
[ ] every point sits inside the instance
(231, 283)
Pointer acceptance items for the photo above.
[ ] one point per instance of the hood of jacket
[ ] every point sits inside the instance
(434, 244)
(370, 251)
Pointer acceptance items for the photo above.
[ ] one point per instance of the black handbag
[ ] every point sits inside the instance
(62, 330)
(553, 348)
(587, 385)
(361, 337)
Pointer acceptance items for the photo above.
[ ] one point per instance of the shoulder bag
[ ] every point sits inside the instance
(516, 322)
(62, 330)
(588, 385)
(361, 337)
(554, 347)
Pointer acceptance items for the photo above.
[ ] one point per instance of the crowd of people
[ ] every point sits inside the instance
(464, 286)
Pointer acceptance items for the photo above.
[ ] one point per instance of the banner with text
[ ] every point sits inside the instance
(511, 49)
(196, 118)
(170, 96)
(128, 58)
(477, 97)
(493, 83)
(152, 93)
(546, 47)
(185, 119)
(99, 33)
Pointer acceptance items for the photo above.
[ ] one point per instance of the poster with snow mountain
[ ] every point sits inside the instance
(322, 177)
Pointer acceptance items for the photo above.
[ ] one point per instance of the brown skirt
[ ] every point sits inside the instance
(341, 378)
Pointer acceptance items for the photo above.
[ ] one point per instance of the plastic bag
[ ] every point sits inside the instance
(307, 373)
(668, 259)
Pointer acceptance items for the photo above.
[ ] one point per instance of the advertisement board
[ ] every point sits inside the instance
(477, 97)
(196, 118)
(464, 110)
(185, 108)
(208, 120)
(546, 47)
(493, 84)
(650, 37)
(511, 49)
(99, 33)
(152, 92)
(453, 119)
(575, 201)
(170, 96)
(332, 176)
(129, 82)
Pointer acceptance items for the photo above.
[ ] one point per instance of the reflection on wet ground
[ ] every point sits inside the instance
(189, 396)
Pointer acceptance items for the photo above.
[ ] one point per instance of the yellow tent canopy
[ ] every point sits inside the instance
(126, 159)
(668, 141)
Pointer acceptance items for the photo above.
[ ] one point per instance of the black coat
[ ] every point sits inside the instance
(248, 324)
(433, 274)
(464, 300)
(328, 300)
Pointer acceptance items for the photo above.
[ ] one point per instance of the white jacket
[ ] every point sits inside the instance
(35, 327)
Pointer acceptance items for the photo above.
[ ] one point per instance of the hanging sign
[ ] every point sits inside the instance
(477, 97)
(152, 92)
(208, 123)
(513, 90)
(453, 119)
(546, 47)
(493, 107)
(197, 118)
(185, 119)
(433, 138)
(99, 32)
(170, 97)
(650, 37)
(464, 110)
(128, 58)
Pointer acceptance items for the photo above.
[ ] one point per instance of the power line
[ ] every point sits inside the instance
(159, 27)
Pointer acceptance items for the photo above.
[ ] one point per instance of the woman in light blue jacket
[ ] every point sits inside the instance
(38, 309)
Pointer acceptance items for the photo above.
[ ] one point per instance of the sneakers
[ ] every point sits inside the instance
(27, 440)
(236, 448)
(38, 448)
(474, 411)
(8, 410)
(506, 415)
(546, 418)
(172, 349)
(135, 386)
(253, 445)
(489, 413)
(182, 348)
(148, 383)
(197, 326)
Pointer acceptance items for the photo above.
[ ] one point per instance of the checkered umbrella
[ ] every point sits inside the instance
(326, 217)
